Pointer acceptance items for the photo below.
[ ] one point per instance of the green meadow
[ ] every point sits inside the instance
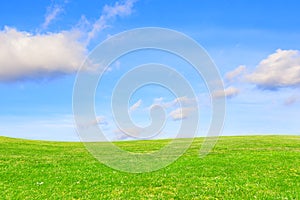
(239, 167)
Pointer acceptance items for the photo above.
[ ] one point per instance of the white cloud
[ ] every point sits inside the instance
(158, 100)
(228, 92)
(180, 113)
(26, 55)
(117, 65)
(135, 106)
(52, 13)
(280, 69)
(230, 76)
(180, 107)
(183, 101)
(110, 13)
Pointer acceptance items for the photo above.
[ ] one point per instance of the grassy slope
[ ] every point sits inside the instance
(262, 167)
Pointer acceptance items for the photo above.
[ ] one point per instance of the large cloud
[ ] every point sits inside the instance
(26, 55)
(41, 55)
(281, 69)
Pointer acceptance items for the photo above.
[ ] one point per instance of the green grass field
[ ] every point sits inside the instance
(248, 167)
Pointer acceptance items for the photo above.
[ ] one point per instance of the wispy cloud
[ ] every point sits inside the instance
(228, 92)
(179, 108)
(181, 113)
(183, 101)
(53, 12)
(119, 9)
(179, 101)
(135, 106)
(230, 76)
(26, 55)
(292, 100)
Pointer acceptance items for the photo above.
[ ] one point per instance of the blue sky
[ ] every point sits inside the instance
(255, 45)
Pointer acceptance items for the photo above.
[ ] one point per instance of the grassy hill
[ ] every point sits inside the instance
(248, 167)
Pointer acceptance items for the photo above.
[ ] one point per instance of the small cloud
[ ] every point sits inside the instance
(292, 100)
(117, 65)
(135, 106)
(228, 92)
(180, 113)
(230, 76)
(158, 100)
(280, 69)
(183, 101)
